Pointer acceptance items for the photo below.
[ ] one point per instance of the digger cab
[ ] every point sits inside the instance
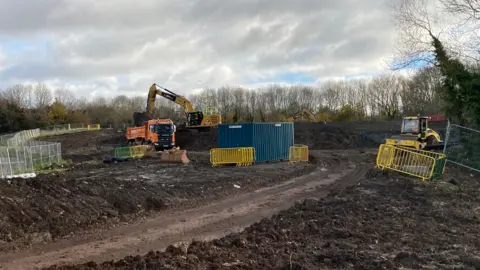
(415, 126)
(413, 133)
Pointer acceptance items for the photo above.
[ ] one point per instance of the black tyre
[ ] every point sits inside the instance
(431, 140)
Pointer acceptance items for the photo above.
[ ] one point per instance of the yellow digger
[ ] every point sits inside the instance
(416, 134)
(301, 113)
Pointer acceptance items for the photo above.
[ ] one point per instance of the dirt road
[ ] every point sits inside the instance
(205, 222)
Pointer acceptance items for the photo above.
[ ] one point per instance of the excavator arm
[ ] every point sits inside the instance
(195, 119)
(303, 112)
(161, 91)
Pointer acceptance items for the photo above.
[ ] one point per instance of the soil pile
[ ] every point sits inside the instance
(88, 145)
(323, 136)
(383, 222)
(55, 205)
(316, 136)
(202, 141)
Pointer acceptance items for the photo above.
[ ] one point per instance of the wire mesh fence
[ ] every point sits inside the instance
(20, 154)
(13, 140)
(28, 157)
(462, 146)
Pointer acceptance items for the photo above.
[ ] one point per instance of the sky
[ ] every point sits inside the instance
(112, 47)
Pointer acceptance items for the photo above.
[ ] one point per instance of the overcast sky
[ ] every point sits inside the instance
(112, 47)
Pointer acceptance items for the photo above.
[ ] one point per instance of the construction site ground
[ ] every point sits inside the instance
(124, 215)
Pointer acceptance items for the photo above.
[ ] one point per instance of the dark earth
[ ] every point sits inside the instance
(384, 221)
(88, 194)
(380, 221)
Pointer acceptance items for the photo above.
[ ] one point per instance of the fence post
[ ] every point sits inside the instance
(9, 161)
(59, 152)
(25, 158)
(31, 158)
(447, 135)
(68, 126)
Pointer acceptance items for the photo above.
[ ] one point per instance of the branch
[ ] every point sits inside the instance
(471, 8)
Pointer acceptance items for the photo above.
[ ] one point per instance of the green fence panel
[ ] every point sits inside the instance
(439, 168)
(123, 152)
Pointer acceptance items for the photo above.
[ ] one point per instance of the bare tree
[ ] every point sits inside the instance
(470, 8)
(16, 94)
(415, 27)
(42, 96)
(384, 91)
(66, 97)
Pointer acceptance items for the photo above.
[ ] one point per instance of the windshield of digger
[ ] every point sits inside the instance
(410, 126)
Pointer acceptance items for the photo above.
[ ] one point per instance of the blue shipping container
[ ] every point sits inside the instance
(271, 141)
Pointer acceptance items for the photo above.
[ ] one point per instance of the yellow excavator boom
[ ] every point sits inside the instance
(300, 113)
(195, 119)
(154, 91)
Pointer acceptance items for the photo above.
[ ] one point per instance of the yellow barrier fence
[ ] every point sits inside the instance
(298, 153)
(131, 152)
(138, 151)
(422, 164)
(93, 127)
(241, 156)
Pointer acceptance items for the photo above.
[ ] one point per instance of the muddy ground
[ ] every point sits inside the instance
(382, 221)
(385, 221)
(53, 206)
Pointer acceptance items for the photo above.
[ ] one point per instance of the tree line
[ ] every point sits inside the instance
(384, 97)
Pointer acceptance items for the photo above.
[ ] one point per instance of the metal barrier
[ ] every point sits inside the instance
(422, 164)
(93, 127)
(139, 151)
(14, 140)
(29, 157)
(298, 153)
(462, 146)
(131, 152)
(123, 152)
(241, 156)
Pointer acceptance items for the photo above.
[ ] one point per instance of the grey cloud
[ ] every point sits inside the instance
(181, 42)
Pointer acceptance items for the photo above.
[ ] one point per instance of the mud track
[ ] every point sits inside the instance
(201, 223)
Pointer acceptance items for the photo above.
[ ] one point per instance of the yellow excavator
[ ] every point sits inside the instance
(303, 112)
(416, 134)
(195, 119)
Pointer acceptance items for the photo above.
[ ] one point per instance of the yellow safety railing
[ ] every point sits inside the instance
(298, 153)
(421, 164)
(138, 151)
(93, 127)
(241, 156)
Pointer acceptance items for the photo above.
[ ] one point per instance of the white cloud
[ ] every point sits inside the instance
(114, 47)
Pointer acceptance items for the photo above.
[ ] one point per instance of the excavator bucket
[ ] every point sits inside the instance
(174, 156)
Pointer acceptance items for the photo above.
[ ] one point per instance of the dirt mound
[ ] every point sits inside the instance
(384, 222)
(316, 136)
(88, 145)
(323, 136)
(56, 205)
(202, 141)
